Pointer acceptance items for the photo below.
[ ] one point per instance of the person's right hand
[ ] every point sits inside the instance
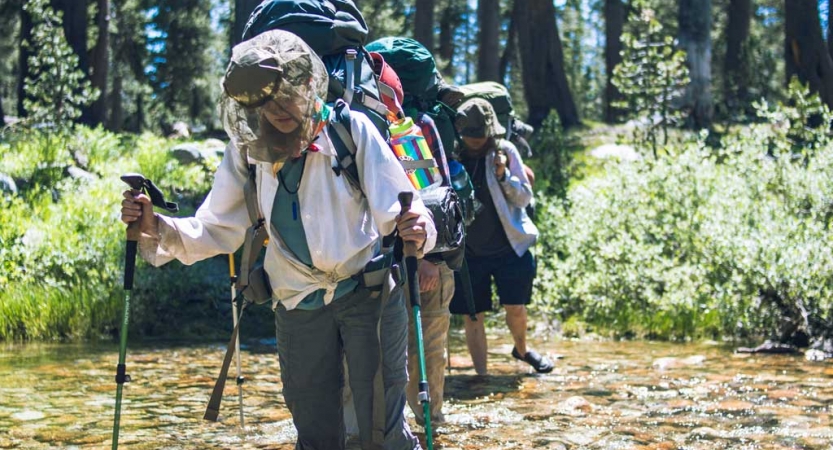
(137, 206)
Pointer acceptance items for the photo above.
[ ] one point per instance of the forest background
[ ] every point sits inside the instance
(711, 220)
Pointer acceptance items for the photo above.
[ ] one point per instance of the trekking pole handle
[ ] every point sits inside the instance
(137, 183)
(405, 199)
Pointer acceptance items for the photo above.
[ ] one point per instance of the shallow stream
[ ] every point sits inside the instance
(602, 395)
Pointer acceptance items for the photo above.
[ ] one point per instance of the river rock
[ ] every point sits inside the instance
(28, 415)
(574, 406)
(7, 184)
(78, 173)
(816, 355)
(705, 433)
(188, 153)
(676, 363)
(770, 347)
(180, 131)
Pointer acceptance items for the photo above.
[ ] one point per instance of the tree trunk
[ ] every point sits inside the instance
(23, 60)
(488, 61)
(424, 23)
(614, 12)
(735, 67)
(449, 22)
(511, 50)
(695, 20)
(116, 121)
(542, 60)
(140, 114)
(830, 28)
(75, 28)
(242, 10)
(101, 63)
(806, 53)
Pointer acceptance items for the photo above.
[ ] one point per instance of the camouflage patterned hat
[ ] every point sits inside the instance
(481, 120)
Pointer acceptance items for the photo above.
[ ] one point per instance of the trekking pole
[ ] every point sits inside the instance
(138, 183)
(409, 250)
(237, 338)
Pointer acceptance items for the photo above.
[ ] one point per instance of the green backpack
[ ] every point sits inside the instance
(421, 83)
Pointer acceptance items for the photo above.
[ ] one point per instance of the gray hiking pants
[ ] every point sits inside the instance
(311, 345)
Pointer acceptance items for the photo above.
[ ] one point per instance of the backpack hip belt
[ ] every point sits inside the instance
(374, 275)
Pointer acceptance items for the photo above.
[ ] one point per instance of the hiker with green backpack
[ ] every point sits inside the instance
(499, 238)
(333, 289)
(420, 85)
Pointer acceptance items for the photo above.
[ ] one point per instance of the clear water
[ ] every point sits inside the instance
(602, 395)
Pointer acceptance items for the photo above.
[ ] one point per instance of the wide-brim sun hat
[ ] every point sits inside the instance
(275, 70)
(480, 120)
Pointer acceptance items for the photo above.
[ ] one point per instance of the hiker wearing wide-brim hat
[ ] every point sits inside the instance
(499, 238)
(324, 238)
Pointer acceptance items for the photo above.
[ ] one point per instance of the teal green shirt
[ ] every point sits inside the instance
(286, 218)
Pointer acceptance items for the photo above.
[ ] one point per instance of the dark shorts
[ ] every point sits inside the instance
(513, 276)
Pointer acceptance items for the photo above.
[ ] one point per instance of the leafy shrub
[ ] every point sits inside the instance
(62, 244)
(727, 242)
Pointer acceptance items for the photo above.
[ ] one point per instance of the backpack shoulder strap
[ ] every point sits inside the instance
(344, 145)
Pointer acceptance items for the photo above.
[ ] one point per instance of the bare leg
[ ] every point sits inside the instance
(516, 321)
(476, 341)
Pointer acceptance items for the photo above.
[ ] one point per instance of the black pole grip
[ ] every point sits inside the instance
(129, 264)
(413, 280)
(405, 199)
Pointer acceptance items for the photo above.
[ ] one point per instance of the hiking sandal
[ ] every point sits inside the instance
(541, 364)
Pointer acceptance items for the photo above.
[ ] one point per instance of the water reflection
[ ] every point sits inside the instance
(602, 395)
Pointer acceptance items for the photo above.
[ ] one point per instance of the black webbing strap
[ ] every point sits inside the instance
(256, 236)
(344, 145)
(157, 198)
(212, 411)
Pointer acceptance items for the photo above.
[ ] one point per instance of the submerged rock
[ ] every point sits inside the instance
(28, 415)
(676, 363)
(770, 348)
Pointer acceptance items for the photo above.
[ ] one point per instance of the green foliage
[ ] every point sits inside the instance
(552, 158)
(185, 60)
(62, 247)
(651, 76)
(803, 125)
(710, 242)
(56, 89)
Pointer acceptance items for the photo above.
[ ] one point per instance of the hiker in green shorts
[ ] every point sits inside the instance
(324, 240)
(499, 238)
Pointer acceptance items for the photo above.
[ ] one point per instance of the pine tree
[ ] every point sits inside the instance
(56, 89)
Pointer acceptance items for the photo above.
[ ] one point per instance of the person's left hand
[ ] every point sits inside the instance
(429, 275)
(500, 164)
(411, 228)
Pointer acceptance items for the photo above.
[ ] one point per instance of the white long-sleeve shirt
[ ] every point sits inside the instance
(343, 227)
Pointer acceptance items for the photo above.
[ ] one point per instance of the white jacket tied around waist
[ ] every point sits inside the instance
(343, 227)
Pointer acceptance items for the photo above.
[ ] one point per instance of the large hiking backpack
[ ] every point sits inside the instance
(337, 32)
(421, 82)
(423, 87)
(517, 131)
